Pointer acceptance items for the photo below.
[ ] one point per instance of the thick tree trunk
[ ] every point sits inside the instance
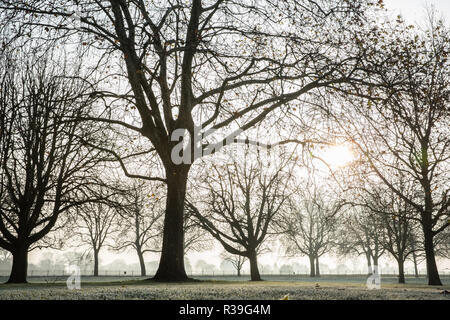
(20, 265)
(95, 263)
(238, 272)
(254, 272)
(312, 269)
(432, 270)
(141, 263)
(401, 270)
(317, 267)
(171, 264)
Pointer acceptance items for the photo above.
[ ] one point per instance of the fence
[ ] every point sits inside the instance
(196, 273)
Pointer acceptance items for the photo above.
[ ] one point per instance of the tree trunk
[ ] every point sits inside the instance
(95, 263)
(432, 270)
(416, 270)
(317, 267)
(254, 272)
(20, 265)
(369, 264)
(375, 268)
(171, 264)
(312, 269)
(141, 263)
(401, 270)
(238, 272)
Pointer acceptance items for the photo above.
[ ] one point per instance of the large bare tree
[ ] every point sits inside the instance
(189, 66)
(45, 169)
(401, 127)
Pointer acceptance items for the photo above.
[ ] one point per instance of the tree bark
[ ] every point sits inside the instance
(432, 270)
(20, 265)
(416, 270)
(95, 263)
(254, 272)
(141, 263)
(401, 270)
(238, 272)
(317, 267)
(369, 264)
(375, 265)
(171, 264)
(312, 269)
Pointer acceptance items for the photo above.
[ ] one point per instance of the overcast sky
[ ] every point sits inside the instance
(414, 10)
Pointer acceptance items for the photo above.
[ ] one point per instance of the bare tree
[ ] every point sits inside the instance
(414, 257)
(442, 244)
(241, 201)
(4, 256)
(196, 238)
(92, 224)
(362, 234)
(398, 225)
(236, 260)
(221, 65)
(402, 123)
(140, 221)
(45, 169)
(82, 259)
(310, 225)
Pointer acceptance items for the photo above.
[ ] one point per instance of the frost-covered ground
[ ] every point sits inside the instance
(266, 290)
(353, 279)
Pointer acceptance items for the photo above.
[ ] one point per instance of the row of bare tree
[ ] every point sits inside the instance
(113, 82)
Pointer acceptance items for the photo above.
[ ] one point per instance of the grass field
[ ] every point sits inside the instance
(276, 287)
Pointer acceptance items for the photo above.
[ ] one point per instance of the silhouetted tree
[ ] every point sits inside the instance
(310, 224)
(221, 65)
(140, 221)
(398, 222)
(93, 223)
(237, 261)
(240, 203)
(400, 124)
(362, 234)
(45, 169)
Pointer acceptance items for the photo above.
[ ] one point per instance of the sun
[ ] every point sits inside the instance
(338, 156)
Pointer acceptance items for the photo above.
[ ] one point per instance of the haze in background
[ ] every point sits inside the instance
(413, 11)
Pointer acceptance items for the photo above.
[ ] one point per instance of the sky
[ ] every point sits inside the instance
(413, 11)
